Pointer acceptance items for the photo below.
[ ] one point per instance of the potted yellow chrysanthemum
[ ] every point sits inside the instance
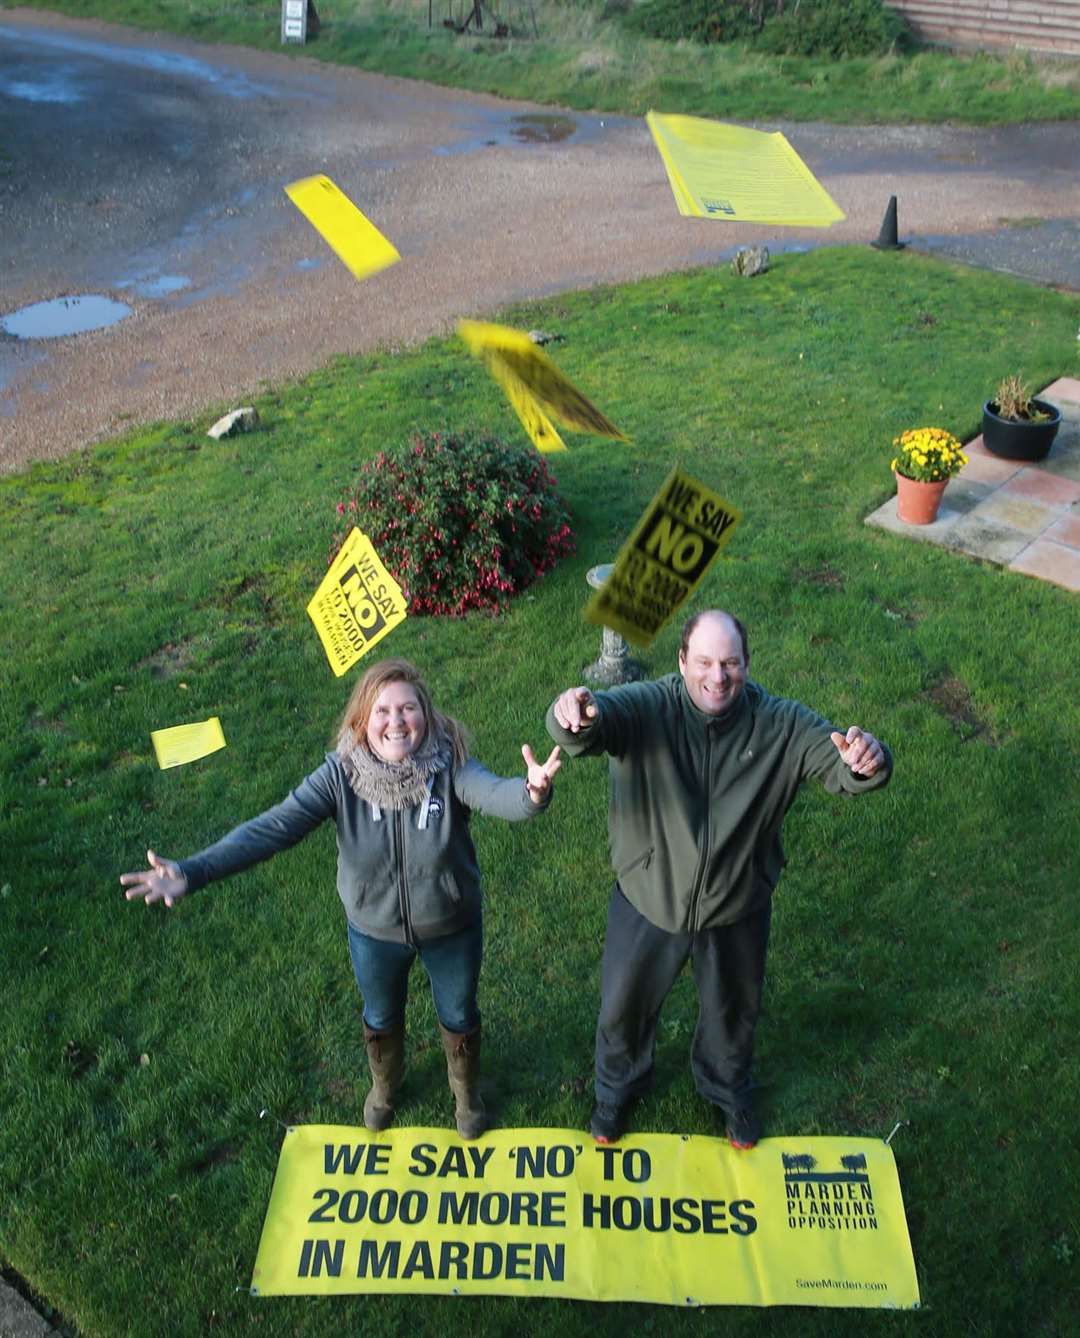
(927, 459)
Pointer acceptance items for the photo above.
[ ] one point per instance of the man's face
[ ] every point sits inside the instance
(713, 667)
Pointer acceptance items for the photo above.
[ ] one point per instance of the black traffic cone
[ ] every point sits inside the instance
(887, 236)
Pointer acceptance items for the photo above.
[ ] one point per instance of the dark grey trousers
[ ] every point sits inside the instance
(639, 968)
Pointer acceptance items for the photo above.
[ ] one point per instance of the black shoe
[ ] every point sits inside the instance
(743, 1127)
(608, 1123)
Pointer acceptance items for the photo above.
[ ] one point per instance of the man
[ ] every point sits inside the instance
(703, 766)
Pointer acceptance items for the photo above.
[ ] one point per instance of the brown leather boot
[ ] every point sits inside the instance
(463, 1070)
(386, 1059)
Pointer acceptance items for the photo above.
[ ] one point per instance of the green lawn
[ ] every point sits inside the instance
(925, 941)
(577, 57)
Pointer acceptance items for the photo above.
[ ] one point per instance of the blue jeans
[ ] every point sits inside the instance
(453, 966)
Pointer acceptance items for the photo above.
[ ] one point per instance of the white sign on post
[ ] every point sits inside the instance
(294, 20)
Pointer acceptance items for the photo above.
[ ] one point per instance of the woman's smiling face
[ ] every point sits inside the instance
(397, 724)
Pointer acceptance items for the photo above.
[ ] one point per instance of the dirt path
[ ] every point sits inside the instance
(150, 170)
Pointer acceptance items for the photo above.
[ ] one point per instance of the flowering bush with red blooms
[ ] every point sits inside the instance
(462, 520)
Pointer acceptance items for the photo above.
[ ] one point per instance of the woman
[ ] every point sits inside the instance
(401, 787)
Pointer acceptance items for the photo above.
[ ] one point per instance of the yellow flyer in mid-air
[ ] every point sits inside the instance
(538, 391)
(357, 242)
(187, 743)
(672, 1219)
(541, 430)
(746, 176)
(358, 603)
(665, 559)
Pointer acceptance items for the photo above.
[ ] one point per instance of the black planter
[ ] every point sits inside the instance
(1020, 438)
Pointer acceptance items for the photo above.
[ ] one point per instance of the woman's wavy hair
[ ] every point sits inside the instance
(354, 722)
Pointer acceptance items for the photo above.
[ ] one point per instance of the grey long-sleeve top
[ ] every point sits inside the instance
(402, 876)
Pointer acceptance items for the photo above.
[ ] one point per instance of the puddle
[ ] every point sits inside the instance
(63, 316)
(223, 79)
(227, 284)
(161, 286)
(15, 359)
(542, 128)
(53, 87)
(310, 262)
(139, 373)
(531, 128)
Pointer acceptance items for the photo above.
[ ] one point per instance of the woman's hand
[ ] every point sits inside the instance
(163, 881)
(539, 777)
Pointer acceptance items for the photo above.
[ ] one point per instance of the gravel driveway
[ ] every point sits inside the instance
(150, 170)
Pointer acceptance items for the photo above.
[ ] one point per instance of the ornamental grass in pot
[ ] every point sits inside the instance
(926, 459)
(1017, 427)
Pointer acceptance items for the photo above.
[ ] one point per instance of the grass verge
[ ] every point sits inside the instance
(578, 58)
(924, 942)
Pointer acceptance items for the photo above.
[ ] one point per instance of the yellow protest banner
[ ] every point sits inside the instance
(526, 373)
(747, 176)
(356, 605)
(667, 1218)
(187, 743)
(671, 548)
(357, 242)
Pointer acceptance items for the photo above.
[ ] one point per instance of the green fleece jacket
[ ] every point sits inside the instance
(697, 801)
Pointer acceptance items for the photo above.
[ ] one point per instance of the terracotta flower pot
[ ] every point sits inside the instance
(916, 502)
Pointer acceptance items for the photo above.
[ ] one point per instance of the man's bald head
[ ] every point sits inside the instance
(720, 614)
(713, 660)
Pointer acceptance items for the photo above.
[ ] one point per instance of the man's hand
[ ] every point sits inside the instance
(163, 881)
(576, 707)
(861, 751)
(538, 780)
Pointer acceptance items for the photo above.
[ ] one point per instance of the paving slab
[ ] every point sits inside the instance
(1057, 563)
(1065, 531)
(1037, 486)
(1064, 459)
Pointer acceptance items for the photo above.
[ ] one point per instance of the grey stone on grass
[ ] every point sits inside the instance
(750, 260)
(240, 420)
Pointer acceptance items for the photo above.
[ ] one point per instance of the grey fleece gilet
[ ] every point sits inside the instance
(696, 801)
(398, 880)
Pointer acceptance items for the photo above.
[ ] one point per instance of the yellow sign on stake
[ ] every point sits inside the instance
(358, 603)
(671, 548)
(670, 1219)
(357, 242)
(746, 176)
(187, 743)
(535, 387)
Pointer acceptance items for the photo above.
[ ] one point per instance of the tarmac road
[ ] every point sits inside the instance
(150, 170)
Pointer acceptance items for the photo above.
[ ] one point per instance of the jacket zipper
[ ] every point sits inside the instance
(699, 879)
(403, 882)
